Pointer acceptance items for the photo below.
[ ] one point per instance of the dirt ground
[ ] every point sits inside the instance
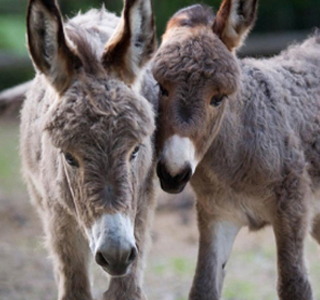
(26, 271)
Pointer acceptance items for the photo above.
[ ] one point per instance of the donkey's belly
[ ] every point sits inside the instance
(254, 212)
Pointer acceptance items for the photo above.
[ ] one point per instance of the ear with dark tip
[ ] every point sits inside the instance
(134, 41)
(48, 45)
(234, 21)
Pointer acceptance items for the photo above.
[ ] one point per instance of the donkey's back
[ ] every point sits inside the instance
(283, 95)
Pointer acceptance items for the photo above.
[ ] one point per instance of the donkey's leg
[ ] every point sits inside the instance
(70, 253)
(129, 287)
(291, 224)
(316, 229)
(216, 241)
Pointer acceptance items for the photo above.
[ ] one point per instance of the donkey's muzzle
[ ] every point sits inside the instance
(173, 184)
(116, 261)
(114, 244)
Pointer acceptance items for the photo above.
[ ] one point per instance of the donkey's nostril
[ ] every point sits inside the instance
(132, 255)
(101, 260)
(162, 173)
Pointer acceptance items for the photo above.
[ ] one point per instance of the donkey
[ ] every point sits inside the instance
(246, 133)
(87, 142)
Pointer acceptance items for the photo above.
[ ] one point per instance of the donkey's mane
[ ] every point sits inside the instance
(89, 34)
(303, 50)
(196, 15)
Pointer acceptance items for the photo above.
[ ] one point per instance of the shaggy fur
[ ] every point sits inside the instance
(83, 111)
(258, 151)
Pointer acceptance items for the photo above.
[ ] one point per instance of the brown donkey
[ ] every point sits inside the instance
(86, 142)
(247, 133)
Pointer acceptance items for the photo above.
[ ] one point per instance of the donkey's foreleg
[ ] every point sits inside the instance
(70, 253)
(291, 224)
(129, 287)
(216, 240)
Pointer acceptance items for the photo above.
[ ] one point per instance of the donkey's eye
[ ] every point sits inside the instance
(71, 160)
(134, 153)
(217, 100)
(164, 92)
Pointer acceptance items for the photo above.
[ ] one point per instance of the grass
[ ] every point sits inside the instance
(240, 290)
(182, 266)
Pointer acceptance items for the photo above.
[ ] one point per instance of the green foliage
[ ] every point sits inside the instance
(12, 34)
(273, 15)
(13, 42)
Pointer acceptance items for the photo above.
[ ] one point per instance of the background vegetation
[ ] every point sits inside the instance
(274, 15)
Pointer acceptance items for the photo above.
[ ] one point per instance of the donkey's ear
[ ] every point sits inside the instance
(47, 43)
(234, 20)
(133, 42)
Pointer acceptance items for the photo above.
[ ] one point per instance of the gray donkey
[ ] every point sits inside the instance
(246, 133)
(86, 142)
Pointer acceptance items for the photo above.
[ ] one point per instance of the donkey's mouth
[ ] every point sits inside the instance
(172, 189)
(173, 184)
(120, 271)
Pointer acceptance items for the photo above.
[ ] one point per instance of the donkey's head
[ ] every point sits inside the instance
(197, 71)
(97, 128)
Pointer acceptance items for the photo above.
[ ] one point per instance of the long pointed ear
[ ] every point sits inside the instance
(134, 41)
(48, 45)
(234, 20)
